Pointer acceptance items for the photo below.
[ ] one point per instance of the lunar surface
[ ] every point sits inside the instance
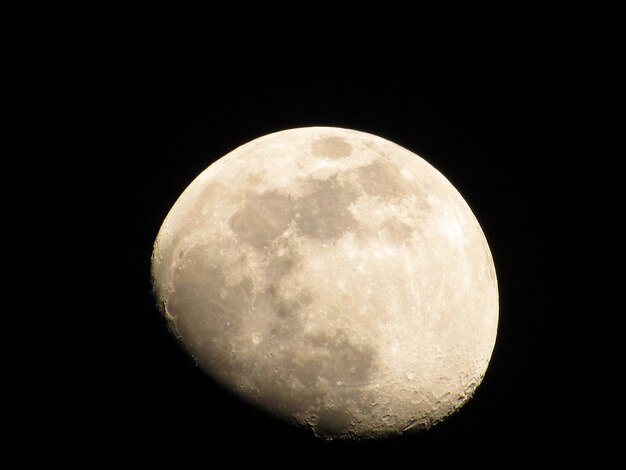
(333, 278)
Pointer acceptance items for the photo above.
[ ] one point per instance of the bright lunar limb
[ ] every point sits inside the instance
(333, 278)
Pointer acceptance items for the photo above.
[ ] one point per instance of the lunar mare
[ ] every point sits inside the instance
(334, 279)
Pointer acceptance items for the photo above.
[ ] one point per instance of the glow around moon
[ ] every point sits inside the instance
(332, 278)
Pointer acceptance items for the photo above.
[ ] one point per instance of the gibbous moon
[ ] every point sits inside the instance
(333, 278)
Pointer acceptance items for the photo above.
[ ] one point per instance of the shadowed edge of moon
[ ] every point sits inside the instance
(284, 383)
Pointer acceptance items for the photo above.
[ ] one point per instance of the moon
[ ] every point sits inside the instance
(333, 278)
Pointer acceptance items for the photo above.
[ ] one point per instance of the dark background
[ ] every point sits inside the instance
(141, 101)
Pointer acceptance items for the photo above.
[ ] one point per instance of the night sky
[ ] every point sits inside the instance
(142, 101)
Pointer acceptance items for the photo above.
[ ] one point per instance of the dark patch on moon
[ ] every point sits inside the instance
(255, 179)
(281, 314)
(348, 363)
(380, 179)
(282, 261)
(324, 383)
(332, 359)
(333, 147)
(263, 218)
(396, 230)
(322, 213)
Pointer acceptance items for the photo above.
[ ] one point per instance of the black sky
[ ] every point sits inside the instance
(142, 100)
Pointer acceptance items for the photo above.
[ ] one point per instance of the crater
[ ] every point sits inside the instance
(331, 147)
(333, 423)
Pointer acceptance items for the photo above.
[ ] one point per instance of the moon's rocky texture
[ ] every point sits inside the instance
(332, 277)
